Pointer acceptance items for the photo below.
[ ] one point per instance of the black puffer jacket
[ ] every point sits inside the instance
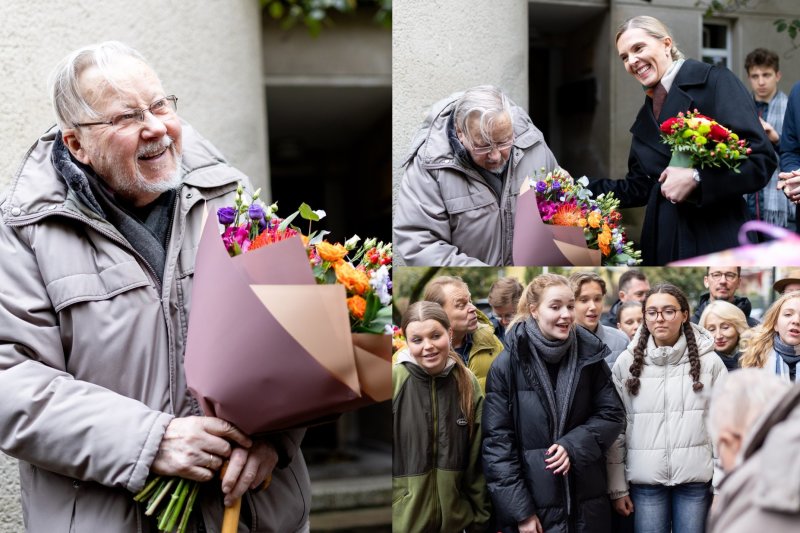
(517, 429)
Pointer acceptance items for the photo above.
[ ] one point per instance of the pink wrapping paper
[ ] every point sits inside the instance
(268, 349)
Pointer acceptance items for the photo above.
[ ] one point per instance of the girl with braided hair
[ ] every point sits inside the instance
(661, 468)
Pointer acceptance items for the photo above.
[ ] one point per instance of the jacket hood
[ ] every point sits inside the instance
(37, 188)
(432, 144)
(703, 339)
(405, 358)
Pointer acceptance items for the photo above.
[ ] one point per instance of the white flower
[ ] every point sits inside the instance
(379, 281)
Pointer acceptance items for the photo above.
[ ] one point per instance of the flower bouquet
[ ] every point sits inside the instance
(560, 223)
(317, 317)
(696, 139)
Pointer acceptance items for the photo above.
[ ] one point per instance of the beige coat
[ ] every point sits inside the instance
(763, 493)
(666, 441)
(91, 356)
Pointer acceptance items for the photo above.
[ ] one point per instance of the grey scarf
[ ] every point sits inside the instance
(564, 353)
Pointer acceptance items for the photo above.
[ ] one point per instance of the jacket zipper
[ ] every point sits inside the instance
(666, 424)
(435, 435)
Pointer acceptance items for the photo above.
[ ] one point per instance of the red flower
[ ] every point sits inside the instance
(666, 126)
(718, 133)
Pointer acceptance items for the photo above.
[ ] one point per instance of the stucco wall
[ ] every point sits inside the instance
(441, 46)
(207, 52)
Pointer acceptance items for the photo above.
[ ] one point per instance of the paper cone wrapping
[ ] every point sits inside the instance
(268, 349)
(540, 244)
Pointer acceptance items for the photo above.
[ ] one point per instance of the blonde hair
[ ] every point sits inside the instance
(652, 27)
(532, 295)
(727, 312)
(425, 310)
(760, 347)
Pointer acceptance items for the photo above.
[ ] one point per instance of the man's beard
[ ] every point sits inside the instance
(134, 186)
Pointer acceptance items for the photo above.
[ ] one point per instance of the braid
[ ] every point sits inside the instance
(633, 383)
(694, 357)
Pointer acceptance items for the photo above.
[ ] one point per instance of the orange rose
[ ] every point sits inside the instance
(594, 219)
(357, 306)
(355, 281)
(604, 240)
(331, 252)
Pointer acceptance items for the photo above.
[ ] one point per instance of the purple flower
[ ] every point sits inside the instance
(256, 212)
(226, 215)
(556, 185)
(541, 186)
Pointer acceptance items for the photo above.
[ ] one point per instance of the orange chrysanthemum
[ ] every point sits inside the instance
(354, 280)
(594, 219)
(270, 236)
(331, 253)
(567, 215)
(357, 306)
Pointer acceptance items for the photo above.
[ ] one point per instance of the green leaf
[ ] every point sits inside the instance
(781, 25)
(373, 305)
(287, 221)
(309, 214)
(792, 31)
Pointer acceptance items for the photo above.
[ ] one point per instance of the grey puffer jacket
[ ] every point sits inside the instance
(666, 441)
(91, 353)
(447, 214)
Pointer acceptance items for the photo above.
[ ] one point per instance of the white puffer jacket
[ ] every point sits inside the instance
(666, 441)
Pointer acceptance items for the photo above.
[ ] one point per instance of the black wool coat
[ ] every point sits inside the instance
(517, 429)
(709, 220)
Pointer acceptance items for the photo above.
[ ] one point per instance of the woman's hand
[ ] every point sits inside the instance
(248, 468)
(677, 184)
(623, 506)
(558, 461)
(531, 525)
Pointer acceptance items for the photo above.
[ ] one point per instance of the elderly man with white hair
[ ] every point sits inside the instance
(99, 231)
(754, 421)
(463, 174)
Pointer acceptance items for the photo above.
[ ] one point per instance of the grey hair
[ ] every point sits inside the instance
(742, 399)
(485, 103)
(69, 104)
(652, 27)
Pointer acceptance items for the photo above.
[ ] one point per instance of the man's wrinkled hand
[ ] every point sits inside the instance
(248, 468)
(195, 447)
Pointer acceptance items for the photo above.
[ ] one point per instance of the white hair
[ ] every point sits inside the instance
(69, 104)
(485, 103)
(742, 399)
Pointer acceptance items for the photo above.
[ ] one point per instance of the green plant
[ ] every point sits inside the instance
(720, 7)
(315, 14)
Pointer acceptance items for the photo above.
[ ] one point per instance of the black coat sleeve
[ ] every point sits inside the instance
(587, 443)
(511, 498)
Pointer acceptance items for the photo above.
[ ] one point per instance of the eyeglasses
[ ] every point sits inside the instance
(483, 150)
(667, 314)
(161, 108)
(730, 276)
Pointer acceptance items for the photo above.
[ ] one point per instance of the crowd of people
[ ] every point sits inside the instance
(457, 199)
(569, 424)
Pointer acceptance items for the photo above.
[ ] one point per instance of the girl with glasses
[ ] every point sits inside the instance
(661, 467)
(437, 482)
(776, 346)
(550, 415)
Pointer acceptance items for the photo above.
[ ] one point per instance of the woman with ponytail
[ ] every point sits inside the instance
(550, 414)
(660, 469)
(437, 482)
(776, 345)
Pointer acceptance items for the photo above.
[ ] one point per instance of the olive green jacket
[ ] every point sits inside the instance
(437, 478)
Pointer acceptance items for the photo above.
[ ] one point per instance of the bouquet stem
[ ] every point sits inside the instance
(680, 160)
(230, 518)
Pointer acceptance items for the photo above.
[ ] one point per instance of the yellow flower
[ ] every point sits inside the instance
(331, 252)
(357, 306)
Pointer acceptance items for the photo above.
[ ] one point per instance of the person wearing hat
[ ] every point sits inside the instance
(788, 284)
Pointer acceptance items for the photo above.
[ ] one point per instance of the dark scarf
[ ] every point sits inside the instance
(495, 181)
(554, 352)
(789, 354)
(731, 360)
(146, 228)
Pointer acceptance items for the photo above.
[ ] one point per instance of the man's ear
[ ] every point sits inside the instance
(74, 145)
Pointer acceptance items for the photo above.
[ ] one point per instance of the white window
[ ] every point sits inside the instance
(717, 43)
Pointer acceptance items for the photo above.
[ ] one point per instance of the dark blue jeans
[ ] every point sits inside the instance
(680, 509)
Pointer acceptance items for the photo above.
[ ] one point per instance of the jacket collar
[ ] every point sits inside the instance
(669, 355)
(37, 189)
